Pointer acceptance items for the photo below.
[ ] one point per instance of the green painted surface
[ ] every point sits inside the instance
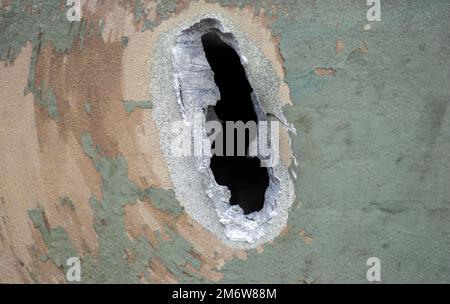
(38, 22)
(46, 98)
(164, 9)
(164, 200)
(58, 243)
(139, 11)
(372, 144)
(124, 40)
(88, 107)
(131, 105)
(42, 21)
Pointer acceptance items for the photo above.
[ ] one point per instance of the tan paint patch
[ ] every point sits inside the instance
(142, 219)
(19, 165)
(340, 45)
(205, 242)
(364, 49)
(324, 71)
(160, 274)
(260, 249)
(307, 239)
(286, 153)
(284, 232)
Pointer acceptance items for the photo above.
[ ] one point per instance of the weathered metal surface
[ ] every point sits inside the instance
(82, 172)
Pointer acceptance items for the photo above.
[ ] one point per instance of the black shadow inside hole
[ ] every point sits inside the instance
(243, 175)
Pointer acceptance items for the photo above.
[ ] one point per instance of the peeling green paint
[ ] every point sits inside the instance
(139, 11)
(88, 107)
(176, 254)
(37, 21)
(131, 105)
(82, 32)
(124, 40)
(118, 191)
(101, 25)
(163, 10)
(164, 200)
(259, 6)
(66, 201)
(49, 103)
(115, 183)
(58, 243)
(120, 259)
(362, 145)
(46, 98)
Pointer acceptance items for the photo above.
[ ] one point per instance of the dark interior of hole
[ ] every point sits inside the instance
(243, 175)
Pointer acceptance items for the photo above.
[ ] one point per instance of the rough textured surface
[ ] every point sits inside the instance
(184, 102)
(82, 176)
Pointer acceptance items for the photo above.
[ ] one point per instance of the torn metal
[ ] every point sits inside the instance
(193, 91)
